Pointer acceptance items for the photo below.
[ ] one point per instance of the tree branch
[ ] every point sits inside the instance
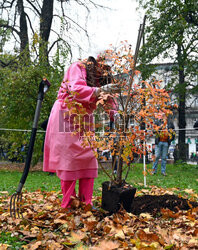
(3, 25)
(51, 47)
(30, 23)
(33, 6)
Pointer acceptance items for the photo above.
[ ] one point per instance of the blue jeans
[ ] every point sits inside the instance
(161, 151)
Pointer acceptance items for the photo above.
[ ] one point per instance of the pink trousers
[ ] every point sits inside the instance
(85, 191)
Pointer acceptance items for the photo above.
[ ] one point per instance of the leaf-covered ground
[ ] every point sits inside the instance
(47, 226)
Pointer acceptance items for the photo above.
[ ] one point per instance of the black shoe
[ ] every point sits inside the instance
(164, 174)
(50, 173)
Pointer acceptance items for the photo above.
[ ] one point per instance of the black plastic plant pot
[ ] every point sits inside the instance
(114, 196)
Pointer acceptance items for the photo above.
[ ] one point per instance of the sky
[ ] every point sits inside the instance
(107, 27)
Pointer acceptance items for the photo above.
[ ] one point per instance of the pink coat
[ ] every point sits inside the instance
(63, 152)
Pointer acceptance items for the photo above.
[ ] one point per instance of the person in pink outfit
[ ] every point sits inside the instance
(63, 151)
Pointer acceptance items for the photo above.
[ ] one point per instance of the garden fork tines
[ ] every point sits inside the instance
(15, 205)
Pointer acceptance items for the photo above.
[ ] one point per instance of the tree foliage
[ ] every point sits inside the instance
(19, 90)
(4, 35)
(172, 33)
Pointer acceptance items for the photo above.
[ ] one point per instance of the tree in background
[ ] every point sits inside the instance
(172, 33)
(19, 90)
(48, 22)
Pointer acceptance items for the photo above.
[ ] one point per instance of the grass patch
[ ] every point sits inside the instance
(181, 176)
(12, 241)
(35, 180)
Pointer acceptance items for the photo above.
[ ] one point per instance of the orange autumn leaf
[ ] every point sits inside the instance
(107, 245)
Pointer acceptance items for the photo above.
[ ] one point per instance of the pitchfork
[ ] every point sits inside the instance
(16, 198)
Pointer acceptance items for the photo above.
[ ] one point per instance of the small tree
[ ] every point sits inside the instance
(142, 105)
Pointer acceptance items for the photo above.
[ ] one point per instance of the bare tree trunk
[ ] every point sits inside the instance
(45, 28)
(181, 110)
(23, 34)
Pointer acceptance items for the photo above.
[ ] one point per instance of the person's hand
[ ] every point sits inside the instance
(110, 88)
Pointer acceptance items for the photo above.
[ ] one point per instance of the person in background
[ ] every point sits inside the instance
(196, 157)
(153, 152)
(162, 142)
(63, 151)
(176, 153)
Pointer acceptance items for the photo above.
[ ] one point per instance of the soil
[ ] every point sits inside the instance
(154, 203)
(141, 204)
